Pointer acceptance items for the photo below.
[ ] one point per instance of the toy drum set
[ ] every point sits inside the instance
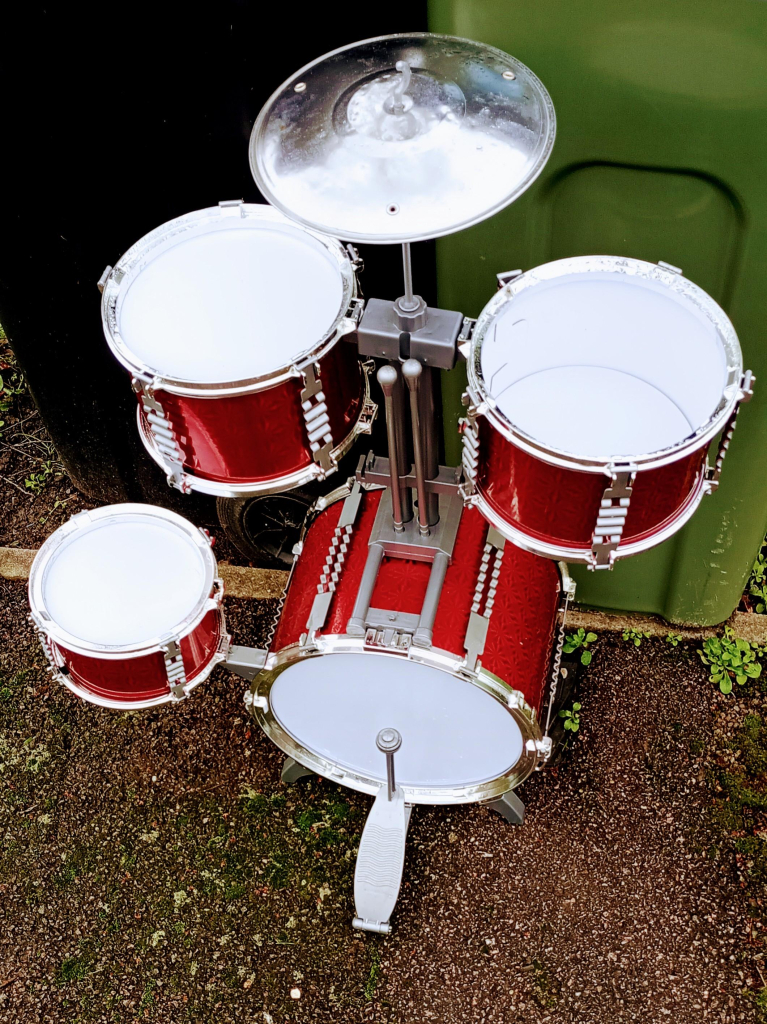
(417, 653)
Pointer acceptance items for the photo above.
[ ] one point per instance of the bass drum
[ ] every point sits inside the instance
(467, 701)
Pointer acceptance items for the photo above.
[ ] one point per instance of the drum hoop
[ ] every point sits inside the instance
(139, 705)
(275, 485)
(521, 712)
(543, 155)
(162, 238)
(628, 266)
(123, 651)
(584, 556)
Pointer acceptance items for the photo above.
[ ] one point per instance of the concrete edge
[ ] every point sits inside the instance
(262, 584)
(239, 581)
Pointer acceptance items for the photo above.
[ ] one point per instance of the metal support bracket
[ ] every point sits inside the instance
(246, 662)
(611, 518)
(316, 420)
(163, 435)
(174, 668)
(380, 335)
(334, 560)
(713, 473)
(375, 471)
(484, 593)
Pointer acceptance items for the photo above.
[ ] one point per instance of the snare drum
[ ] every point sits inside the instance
(596, 385)
(466, 699)
(229, 321)
(127, 604)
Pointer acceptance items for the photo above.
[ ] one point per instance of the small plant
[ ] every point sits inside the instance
(757, 582)
(36, 482)
(673, 639)
(730, 659)
(572, 718)
(580, 640)
(635, 636)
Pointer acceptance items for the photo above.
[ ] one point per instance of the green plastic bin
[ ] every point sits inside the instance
(661, 154)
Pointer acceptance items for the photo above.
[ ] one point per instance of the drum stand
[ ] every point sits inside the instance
(417, 519)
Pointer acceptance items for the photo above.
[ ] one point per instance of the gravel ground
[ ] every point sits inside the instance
(153, 867)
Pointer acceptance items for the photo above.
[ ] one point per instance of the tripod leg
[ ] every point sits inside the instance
(510, 807)
(292, 771)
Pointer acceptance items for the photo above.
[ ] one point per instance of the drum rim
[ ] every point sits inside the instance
(140, 705)
(513, 701)
(62, 536)
(274, 485)
(547, 107)
(585, 556)
(158, 241)
(676, 282)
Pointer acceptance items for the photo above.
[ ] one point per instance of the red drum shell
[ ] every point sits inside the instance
(522, 624)
(559, 506)
(261, 437)
(142, 679)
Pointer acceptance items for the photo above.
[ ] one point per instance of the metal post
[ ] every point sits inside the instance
(356, 624)
(408, 301)
(387, 378)
(388, 742)
(400, 418)
(428, 396)
(425, 630)
(411, 371)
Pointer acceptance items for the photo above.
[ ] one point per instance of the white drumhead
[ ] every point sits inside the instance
(123, 580)
(453, 733)
(225, 303)
(599, 364)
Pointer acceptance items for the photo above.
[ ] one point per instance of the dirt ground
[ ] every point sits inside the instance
(153, 866)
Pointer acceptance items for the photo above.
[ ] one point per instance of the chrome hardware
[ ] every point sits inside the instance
(163, 435)
(387, 378)
(469, 427)
(388, 742)
(484, 589)
(316, 419)
(174, 668)
(611, 518)
(334, 560)
(357, 262)
(411, 371)
(232, 208)
(102, 281)
(355, 311)
(507, 275)
(374, 471)
(713, 473)
(246, 662)
(388, 640)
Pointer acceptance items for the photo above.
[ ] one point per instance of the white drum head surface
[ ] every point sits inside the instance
(453, 733)
(122, 582)
(604, 364)
(232, 304)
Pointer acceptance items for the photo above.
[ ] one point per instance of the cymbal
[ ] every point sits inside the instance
(402, 138)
